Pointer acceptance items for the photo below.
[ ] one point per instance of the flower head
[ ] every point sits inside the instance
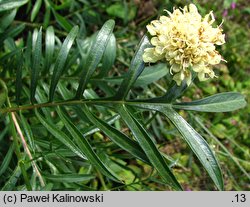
(233, 5)
(187, 41)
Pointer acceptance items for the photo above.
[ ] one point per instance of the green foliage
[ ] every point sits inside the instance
(92, 116)
(11, 4)
(221, 102)
(95, 54)
(61, 60)
(122, 11)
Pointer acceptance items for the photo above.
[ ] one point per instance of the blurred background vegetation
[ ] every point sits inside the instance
(227, 133)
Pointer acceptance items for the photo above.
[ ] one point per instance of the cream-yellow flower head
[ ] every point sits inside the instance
(187, 41)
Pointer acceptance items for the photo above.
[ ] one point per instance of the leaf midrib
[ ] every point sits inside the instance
(191, 104)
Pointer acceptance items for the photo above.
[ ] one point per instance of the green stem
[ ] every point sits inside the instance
(102, 181)
(107, 101)
(25, 175)
(59, 103)
(36, 25)
(29, 24)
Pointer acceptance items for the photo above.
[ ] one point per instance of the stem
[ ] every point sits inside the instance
(27, 23)
(59, 103)
(25, 146)
(15, 139)
(102, 180)
(36, 25)
(77, 102)
(25, 175)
